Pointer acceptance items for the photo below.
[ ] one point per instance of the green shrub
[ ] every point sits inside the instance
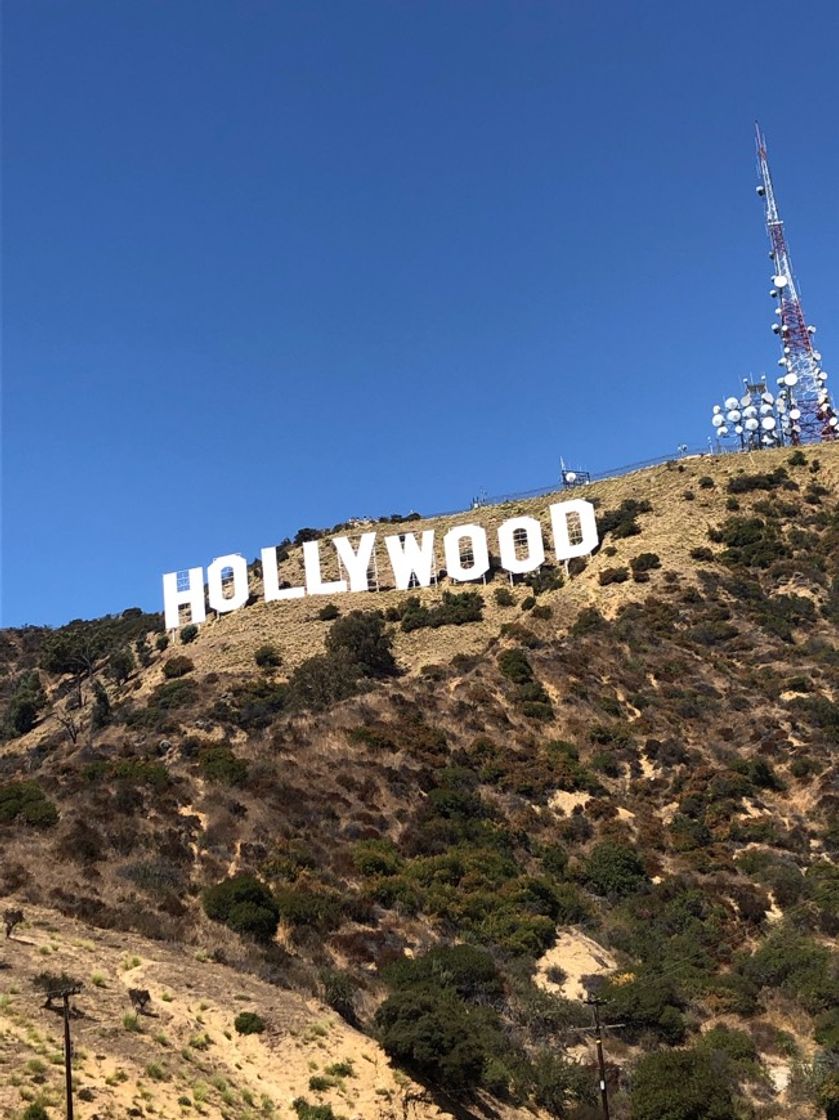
(306, 1111)
(528, 603)
(542, 611)
(219, 764)
(644, 562)
(622, 522)
(454, 609)
(339, 992)
(706, 482)
(328, 613)
(361, 637)
(267, 656)
(798, 458)
(189, 633)
(35, 1111)
(245, 905)
(681, 1085)
(515, 665)
(177, 667)
(704, 555)
(504, 597)
(746, 483)
(26, 801)
(613, 575)
(121, 665)
(161, 642)
(248, 1022)
(25, 703)
(614, 869)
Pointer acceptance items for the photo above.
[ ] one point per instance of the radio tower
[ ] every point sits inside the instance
(811, 416)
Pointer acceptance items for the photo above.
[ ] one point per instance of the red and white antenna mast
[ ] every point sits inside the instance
(811, 416)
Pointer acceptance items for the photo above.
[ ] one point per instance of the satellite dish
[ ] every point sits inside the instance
(765, 409)
(817, 355)
(775, 328)
(768, 423)
(780, 281)
(811, 329)
(760, 190)
(773, 292)
(751, 425)
(739, 429)
(782, 361)
(791, 379)
(733, 415)
(570, 476)
(833, 421)
(781, 406)
(822, 376)
(718, 420)
(745, 400)
(722, 431)
(767, 398)
(717, 408)
(731, 402)
(795, 414)
(750, 411)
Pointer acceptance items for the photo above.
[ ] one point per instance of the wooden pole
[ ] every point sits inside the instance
(68, 1057)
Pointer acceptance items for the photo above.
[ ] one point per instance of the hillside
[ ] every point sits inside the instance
(432, 828)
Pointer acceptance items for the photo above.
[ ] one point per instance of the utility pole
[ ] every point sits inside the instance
(64, 988)
(68, 1055)
(598, 1028)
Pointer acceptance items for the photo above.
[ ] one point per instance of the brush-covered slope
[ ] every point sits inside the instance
(452, 818)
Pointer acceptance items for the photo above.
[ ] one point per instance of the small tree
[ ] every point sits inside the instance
(189, 633)
(121, 665)
(101, 714)
(11, 919)
(361, 635)
(267, 656)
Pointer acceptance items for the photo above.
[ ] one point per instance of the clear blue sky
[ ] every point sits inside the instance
(275, 264)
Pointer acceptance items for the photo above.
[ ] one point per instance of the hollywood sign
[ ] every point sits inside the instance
(521, 547)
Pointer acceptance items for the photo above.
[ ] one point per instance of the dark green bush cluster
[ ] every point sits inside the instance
(454, 609)
(328, 613)
(267, 656)
(547, 578)
(25, 703)
(613, 575)
(750, 542)
(643, 564)
(622, 522)
(130, 771)
(248, 1022)
(504, 597)
(219, 764)
(803, 969)
(773, 480)
(77, 647)
(244, 905)
(177, 667)
(26, 802)
(188, 633)
(614, 869)
(530, 695)
(694, 1084)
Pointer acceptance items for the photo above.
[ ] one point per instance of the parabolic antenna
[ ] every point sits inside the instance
(750, 411)
(570, 476)
(795, 414)
(768, 423)
(751, 425)
(716, 408)
(739, 429)
(745, 400)
(731, 402)
(765, 409)
(791, 379)
(817, 355)
(718, 420)
(780, 281)
(767, 397)
(722, 431)
(833, 421)
(822, 376)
